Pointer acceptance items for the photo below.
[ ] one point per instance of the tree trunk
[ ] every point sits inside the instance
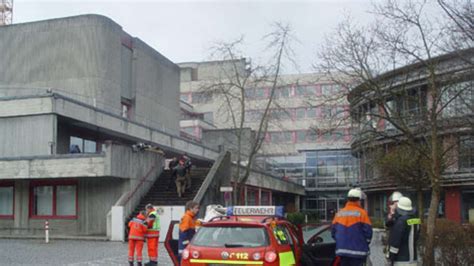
(419, 195)
(428, 258)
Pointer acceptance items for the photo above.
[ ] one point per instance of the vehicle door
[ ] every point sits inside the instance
(296, 243)
(320, 246)
(171, 241)
(286, 250)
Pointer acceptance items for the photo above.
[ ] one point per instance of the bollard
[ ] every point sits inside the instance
(46, 231)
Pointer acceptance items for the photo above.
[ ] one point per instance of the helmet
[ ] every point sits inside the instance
(395, 197)
(354, 193)
(404, 204)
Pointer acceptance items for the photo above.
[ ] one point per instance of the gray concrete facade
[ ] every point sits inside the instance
(91, 59)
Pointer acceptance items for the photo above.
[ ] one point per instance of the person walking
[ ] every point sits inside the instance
(136, 237)
(187, 165)
(352, 230)
(180, 178)
(152, 234)
(172, 165)
(187, 226)
(404, 235)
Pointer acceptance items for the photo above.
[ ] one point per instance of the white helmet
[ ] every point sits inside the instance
(395, 196)
(404, 204)
(354, 193)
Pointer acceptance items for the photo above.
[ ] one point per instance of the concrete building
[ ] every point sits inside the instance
(308, 138)
(76, 95)
(407, 97)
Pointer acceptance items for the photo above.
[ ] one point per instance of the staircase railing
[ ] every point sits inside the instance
(218, 175)
(119, 211)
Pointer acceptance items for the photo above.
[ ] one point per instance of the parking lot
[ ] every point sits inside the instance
(76, 252)
(69, 252)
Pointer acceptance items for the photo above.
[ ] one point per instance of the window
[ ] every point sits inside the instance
(312, 136)
(260, 93)
(250, 93)
(252, 197)
(282, 92)
(326, 112)
(300, 113)
(84, 145)
(126, 110)
(301, 136)
(466, 152)
(209, 117)
(184, 97)
(312, 112)
(6, 200)
(303, 90)
(461, 96)
(53, 199)
(201, 97)
(266, 198)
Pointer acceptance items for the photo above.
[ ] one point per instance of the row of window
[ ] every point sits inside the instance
(47, 200)
(305, 136)
(320, 112)
(283, 92)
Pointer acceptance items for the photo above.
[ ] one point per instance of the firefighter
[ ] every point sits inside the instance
(152, 234)
(187, 226)
(404, 235)
(136, 236)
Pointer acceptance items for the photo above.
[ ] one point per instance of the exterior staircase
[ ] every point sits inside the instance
(163, 192)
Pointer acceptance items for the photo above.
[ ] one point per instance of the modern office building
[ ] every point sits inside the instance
(309, 135)
(407, 95)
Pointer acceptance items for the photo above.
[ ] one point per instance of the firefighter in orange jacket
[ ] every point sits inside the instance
(136, 237)
(187, 226)
(152, 234)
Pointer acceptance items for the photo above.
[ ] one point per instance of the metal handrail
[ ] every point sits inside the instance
(144, 178)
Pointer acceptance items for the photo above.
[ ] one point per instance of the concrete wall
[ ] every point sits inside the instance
(82, 57)
(95, 195)
(218, 176)
(26, 135)
(227, 139)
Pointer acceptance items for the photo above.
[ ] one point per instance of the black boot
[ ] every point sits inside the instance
(139, 263)
(130, 263)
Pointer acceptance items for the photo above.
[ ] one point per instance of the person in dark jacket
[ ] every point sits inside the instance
(393, 202)
(172, 165)
(180, 178)
(404, 235)
(352, 230)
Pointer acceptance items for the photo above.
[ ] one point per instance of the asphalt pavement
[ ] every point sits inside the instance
(86, 252)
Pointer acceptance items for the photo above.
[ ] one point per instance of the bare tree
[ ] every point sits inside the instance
(415, 104)
(232, 88)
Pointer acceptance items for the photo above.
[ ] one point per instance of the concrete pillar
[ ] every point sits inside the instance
(297, 203)
(117, 224)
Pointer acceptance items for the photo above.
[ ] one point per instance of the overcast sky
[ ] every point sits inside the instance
(184, 31)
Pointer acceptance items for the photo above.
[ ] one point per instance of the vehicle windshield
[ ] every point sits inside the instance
(231, 236)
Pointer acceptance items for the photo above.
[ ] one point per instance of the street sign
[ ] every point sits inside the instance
(226, 189)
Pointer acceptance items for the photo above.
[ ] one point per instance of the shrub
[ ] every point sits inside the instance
(454, 243)
(296, 218)
(377, 223)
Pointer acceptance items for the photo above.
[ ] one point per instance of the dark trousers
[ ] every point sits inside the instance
(348, 261)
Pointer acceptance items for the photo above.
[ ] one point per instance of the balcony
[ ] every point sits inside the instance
(117, 161)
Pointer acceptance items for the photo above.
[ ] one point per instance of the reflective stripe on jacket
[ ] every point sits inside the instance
(403, 238)
(153, 225)
(352, 230)
(138, 228)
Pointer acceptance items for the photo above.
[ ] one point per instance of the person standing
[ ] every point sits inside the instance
(136, 237)
(187, 226)
(172, 165)
(393, 202)
(404, 235)
(180, 178)
(352, 230)
(152, 234)
(187, 165)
